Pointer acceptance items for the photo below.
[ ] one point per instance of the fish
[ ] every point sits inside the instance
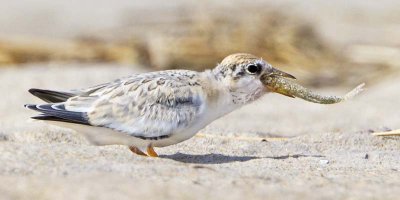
(290, 88)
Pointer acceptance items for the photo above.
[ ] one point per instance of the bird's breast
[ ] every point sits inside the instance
(210, 112)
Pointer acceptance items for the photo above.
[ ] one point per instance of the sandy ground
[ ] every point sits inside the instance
(330, 153)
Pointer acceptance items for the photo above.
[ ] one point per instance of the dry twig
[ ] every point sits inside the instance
(388, 133)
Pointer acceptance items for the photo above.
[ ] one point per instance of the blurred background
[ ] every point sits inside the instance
(310, 151)
(323, 43)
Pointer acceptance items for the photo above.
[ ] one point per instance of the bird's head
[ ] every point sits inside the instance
(244, 75)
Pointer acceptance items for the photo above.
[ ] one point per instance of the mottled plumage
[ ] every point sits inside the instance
(157, 108)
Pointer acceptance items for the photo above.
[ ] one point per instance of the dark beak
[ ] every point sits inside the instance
(273, 75)
(279, 73)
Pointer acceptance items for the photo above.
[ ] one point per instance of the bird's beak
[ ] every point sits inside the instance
(277, 72)
(270, 74)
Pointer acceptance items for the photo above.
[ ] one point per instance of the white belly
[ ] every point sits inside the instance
(209, 115)
(103, 136)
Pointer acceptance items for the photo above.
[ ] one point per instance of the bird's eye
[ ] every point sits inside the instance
(253, 69)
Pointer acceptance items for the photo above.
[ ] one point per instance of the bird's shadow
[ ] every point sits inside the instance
(213, 158)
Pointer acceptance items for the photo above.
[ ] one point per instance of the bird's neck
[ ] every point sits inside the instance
(223, 88)
(217, 90)
(219, 100)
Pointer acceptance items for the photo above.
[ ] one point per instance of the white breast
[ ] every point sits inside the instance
(212, 110)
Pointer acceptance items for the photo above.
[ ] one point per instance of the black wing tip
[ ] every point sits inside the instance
(36, 92)
(41, 117)
(45, 117)
(51, 96)
(57, 112)
(31, 106)
(33, 90)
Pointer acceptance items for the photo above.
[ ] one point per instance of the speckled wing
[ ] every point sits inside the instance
(149, 105)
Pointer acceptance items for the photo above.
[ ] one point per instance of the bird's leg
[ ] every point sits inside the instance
(137, 151)
(151, 152)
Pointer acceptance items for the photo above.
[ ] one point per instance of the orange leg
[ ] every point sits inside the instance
(151, 152)
(137, 151)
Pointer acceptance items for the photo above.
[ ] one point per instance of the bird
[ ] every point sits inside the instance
(157, 109)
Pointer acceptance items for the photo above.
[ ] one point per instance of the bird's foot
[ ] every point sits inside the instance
(137, 151)
(151, 152)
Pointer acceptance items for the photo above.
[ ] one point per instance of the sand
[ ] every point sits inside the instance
(318, 151)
